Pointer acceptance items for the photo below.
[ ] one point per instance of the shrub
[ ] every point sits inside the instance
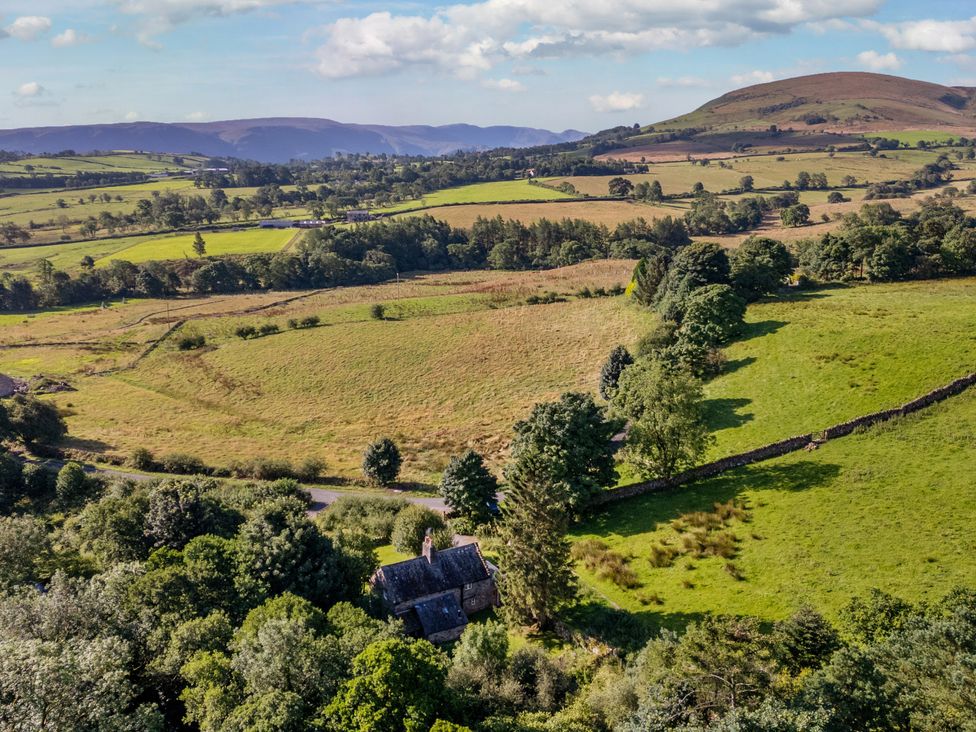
(182, 464)
(292, 323)
(246, 331)
(191, 343)
(73, 485)
(310, 322)
(377, 312)
(268, 329)
(410, 528)
(469, 487)
(33, 420)
(141, 459)
(381, 462)
(606, 564)
(310, 469)
(38, 480)
(371, 516)
(618, 360)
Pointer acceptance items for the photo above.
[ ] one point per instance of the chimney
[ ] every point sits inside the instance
(429, 552)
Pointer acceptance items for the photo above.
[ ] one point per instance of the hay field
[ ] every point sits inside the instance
(609, 213)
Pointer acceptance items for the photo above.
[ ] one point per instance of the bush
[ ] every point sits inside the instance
(377, 312)
(410, 528)
(310, 469)
(292, 323)
(246, 331)
(33, 420)
(141, 459)
(268, 329)
(38, 480)
(370, 516)
(182, 464)
(310, 322)
(191, 343)
(261, 469)
(381, 462)
(72, 485)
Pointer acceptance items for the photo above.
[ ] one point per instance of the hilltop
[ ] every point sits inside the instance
(277, 140)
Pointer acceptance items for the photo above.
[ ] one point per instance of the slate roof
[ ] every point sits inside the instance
(440, 613)
(417, 577)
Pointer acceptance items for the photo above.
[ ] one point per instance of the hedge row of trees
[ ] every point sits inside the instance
(936, 240)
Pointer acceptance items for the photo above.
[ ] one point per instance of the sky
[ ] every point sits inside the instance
(557, 64)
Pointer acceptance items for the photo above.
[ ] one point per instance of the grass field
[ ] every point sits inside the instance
(121, 162)
(512, 190)
(460, 364)
(247, 241)
(913, 137)
(609, 213)
(890, 508)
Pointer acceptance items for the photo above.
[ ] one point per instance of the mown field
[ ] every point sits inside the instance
(512, 190)
(609, 213)
(247, 241)
(458, 362)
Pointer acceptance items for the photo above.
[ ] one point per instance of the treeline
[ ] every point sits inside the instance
(84, 179)
(936, 240)
(931, 175)
(332, 257)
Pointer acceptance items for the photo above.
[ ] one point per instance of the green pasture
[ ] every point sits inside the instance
(122, 162)
(513, 190)
(246, 241)
(913, 137)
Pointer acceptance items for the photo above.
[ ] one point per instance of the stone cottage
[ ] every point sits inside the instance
(433, 594)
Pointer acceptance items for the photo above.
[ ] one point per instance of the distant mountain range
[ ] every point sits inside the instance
(276, 139)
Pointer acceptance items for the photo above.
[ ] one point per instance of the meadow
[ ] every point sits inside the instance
(246, 241)
(890, 508)
(510, 190)
(609, 213)
(119, 162)
(459, 360)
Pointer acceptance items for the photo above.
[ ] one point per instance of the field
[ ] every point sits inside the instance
(513, 190)
(890, 508)
(913, 137)
(247, 241)
(609, 213)
(121, 162)
(460, 360)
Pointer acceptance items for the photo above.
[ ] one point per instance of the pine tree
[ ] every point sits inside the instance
(648, 275)
(536, 578)
(199, 245)
(469, 488)
(613, 367)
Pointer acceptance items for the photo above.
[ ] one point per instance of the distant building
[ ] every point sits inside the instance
(276, 224)
(356, 216)
(310, 224)
(433, 594)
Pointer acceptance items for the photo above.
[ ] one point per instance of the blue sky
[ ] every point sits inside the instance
(585, 64)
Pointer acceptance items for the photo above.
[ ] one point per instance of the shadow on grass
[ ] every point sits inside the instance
(740, 363)
(723, 414)
(760, 329)
(622, 629)
(646, 513)
(86, 445)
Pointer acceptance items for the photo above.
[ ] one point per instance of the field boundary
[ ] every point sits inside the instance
(784, 447)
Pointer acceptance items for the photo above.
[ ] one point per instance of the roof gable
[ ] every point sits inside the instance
(450, 569)
(440, 613)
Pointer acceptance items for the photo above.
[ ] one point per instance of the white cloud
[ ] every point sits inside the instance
(131, 116)
(617, 102)
(946, 36)
(506, 85)
(70, 37)
(681, 82)
(753, 77)
(29, 27)
(196, 116)
(879, 61)
(160, 16)
(468, 38)
(29, 90)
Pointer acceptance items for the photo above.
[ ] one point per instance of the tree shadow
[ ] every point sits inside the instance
(622, 629)
(760, 329)
(86, 445)
(722, 414)
(643, 514)
(731, 367)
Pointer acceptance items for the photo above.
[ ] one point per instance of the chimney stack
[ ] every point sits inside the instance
(429, 552)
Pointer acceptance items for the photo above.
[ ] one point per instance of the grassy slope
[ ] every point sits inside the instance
(248, 241)
(610, 213)
(513, 190)
(890, 508)
(116, 163)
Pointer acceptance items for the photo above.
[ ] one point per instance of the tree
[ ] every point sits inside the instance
(12, 233)
(469, 488)
(618, 360)
(570, 440)
(759, 267)
(72, 485)
(796, 215)
(713, 315)
(24, 545)
(411, 526)
(620, 187)
(33, 420)
(668, 430)
(176, 513)
(398, 685)
(538, 578)
(648, 275)
(381, 462)
(199, 245)
(746, 183)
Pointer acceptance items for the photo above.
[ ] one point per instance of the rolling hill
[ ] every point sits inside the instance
(837, 102)
(276, 139)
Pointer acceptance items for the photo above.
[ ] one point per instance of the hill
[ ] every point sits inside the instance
(837, 102)
(277, 139)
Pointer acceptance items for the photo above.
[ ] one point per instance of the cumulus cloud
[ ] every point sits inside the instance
(70, 37)
(28, 27)
(29, 90)
(946, 36)
(506, 85)
(879, 61)
(681, 82)
(469, 38)
(617, 102)
(753, 77)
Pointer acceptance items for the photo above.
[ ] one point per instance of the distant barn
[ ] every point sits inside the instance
(276, 224)
(356, 216)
